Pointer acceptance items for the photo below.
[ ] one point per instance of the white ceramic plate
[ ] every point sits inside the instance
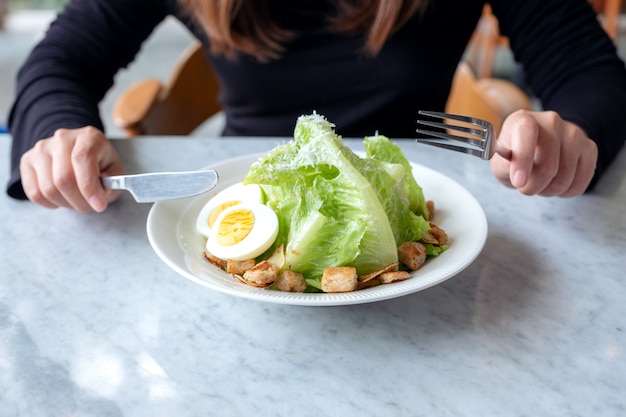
(172, 234)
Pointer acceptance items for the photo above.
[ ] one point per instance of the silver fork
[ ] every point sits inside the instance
(479, 139)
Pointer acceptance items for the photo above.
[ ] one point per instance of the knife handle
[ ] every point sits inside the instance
(115, 182)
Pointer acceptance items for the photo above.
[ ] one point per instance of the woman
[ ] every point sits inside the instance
(368, 65)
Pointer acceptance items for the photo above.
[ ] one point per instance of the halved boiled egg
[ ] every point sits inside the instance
(243, 231)
(235, 194)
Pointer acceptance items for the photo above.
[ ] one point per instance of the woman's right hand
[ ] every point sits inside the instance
(65, 169)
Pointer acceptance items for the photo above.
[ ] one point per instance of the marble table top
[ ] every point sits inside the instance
(93, 323)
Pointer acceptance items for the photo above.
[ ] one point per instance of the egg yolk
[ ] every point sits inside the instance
(219, 209)
(234, 227)
(243, 232)
(225, 200)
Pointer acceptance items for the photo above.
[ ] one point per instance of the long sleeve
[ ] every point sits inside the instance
(569, 62)
(68, 73)
(571, 65)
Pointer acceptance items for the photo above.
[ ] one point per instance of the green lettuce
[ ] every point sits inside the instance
(382, 149)
(336, 208)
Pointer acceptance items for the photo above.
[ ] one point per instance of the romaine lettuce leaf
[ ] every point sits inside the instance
(396, 190)
(334, 207)
(381, 148)
(312, 183)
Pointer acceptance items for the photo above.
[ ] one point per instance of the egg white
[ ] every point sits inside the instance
(249, 193)
(260, 238)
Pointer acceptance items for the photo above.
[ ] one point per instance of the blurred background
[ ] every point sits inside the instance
(23, 22)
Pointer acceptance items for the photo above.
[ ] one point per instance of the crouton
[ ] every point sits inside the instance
(394, 276)
(430, 206)
(372, 275)
(261, 274)
(239, 267)
(290, 281)
(412, 254)
(436, 235)
(219, 262)
(339, 279)
(374, 282)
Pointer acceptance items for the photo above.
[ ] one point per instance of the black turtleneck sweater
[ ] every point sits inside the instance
(568, 60)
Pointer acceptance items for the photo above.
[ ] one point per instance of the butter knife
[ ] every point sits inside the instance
(158, 186)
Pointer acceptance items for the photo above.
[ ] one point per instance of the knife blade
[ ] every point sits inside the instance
(158, 186)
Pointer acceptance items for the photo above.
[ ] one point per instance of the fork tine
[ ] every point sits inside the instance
(458, 118)
(475, 135)
(445, 144)
(462, 139)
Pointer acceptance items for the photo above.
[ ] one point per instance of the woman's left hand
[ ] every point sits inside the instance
(549, 156)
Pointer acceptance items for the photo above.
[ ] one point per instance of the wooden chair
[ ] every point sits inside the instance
(491, 99)
(487, 38)
(484, 43)
(608, 12)
(177, 107)
(474, 91)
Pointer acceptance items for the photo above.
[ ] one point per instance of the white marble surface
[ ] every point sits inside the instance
(93, 323)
